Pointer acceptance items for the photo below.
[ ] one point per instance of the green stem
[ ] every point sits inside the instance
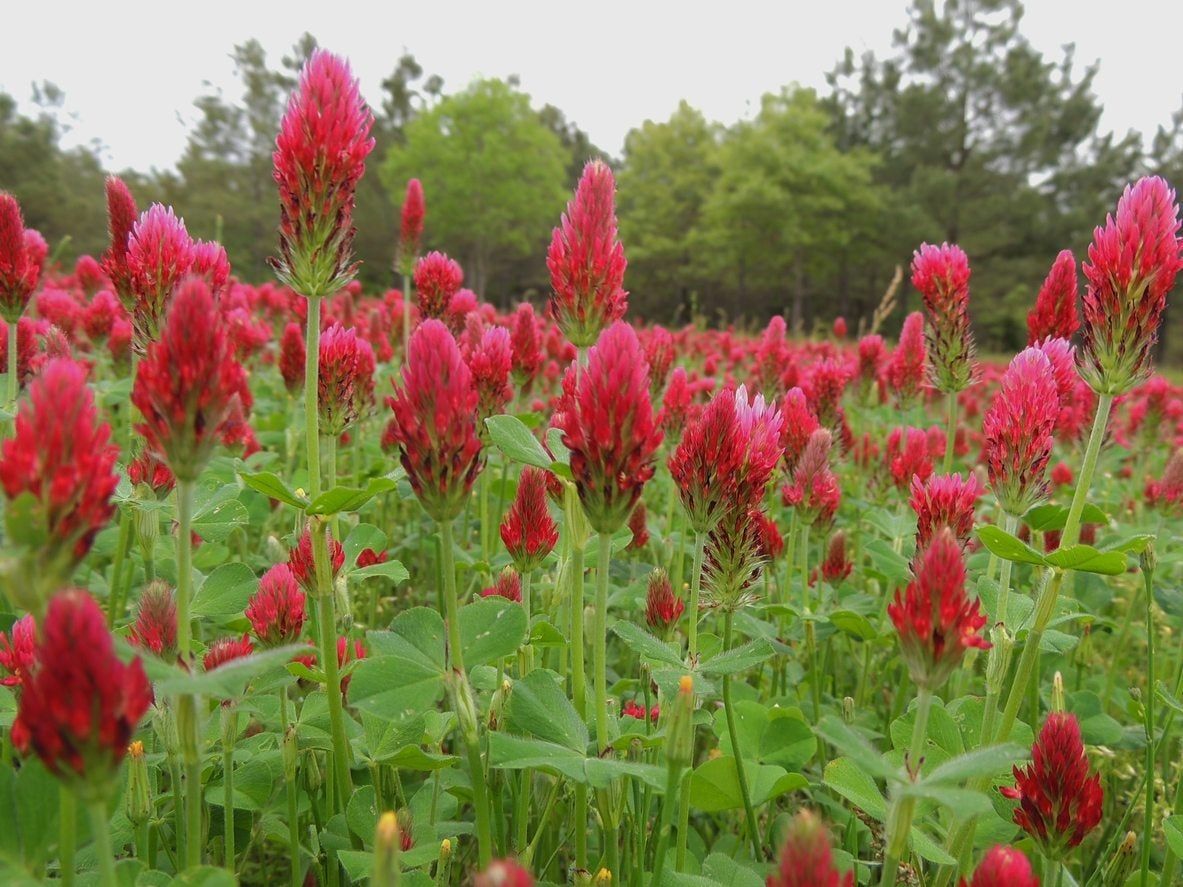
(407, 288)
(12, 386)
(683, 822)
(476, 771)
(311, 381)
(1151, 746)
(950, 432)
(122, 548)
(578, 686)
(102, 843)
(325, 607)
(736, 750)
(291, 790)
(900, 819)
(700, 540)
(184, 566)
(600, 641)
(229, 731)
(174, 771)
(1050, 589)
(663, 834)
(67, 834)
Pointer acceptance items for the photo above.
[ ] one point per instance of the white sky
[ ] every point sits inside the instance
(130, 71)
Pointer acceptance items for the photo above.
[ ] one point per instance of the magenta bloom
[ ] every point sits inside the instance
(1018, 427)
(663, 608)
(806, 859)
(507, 585)
(121, 218)
(527, 349)
(908, 456)
(155, 628)
(276, 610)
(586, 260)
(292, 357)
(813, 490)
(1003, 866)
(936, 621)
(434, 422)
(18, 653)
(20, 266)
(1059, 800)
(411, 226)
(300, 560)
(490, 363)
(342, 370)
(528, 531)
(905, 370)
(320, 155)
(1131, 267)
(79, 704)
(60, 467)
(799, 425)
(1054, 315)
(944, 500)
(437, 281)
(185, 385)
(941, 273)
(159, 254)
(609, 425)
(226, 650)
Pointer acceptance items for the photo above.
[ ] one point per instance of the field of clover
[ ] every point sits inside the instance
(302, 584)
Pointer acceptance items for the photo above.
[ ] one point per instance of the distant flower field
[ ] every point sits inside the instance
(304, 584)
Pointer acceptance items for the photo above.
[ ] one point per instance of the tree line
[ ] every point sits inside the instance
(964, 132)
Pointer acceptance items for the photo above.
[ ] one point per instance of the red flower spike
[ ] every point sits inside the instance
(837, 565)
(935, 619)
(185, 384)
(806, 859)
(769, 539)
(528, 531)
(80, 705)
(586, 260)
(638, 526)
(675, 404)
(367, 557)
(941, 274)
(503, 873)
(490, 363)
(1054, 315)
(610, 428)
(772, 356)
(320, 155)
(100, 315)
(872, 356)
(527, 349)
(944, 500)
(813, 490)
(276, 610)
(291, 358)
(155, 628)
(20, 267)
(437, 280)
(301, 564)
(906, 369)
(61, 457)
(434, 422)
(908, 456)
(1166, 493)
(799, 425)
(411, 226)
(226, 650)
(18, 653)
(508, 586)
(663, 608)
(1132, 264)
(1003, 866)
(121, 218)
(159, 256)
(1059, 800)
(348, 652)
(659, 354)
(341, 368)
(706, 462)
(1018, 427)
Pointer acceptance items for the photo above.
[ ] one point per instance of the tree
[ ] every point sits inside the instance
(785, 209)
(668, 172)
(494, 177)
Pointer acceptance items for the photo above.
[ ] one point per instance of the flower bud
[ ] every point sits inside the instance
(313, 774)
(387, 846)
(679, 747)
(1058, 703)
(139, 799)
(291, 753)
(848, 709)
(1121, 864)
(464, 706)
(998, 664)
(1148, 560)
(603, 878)
(497, 704)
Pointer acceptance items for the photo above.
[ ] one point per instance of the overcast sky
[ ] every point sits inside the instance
(130, 71)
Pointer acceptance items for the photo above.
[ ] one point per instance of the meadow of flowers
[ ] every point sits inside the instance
(308, 585)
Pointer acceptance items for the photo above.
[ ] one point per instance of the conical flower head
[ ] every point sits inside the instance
(586, 260)
(18, 652)
(59, 469)
(733, 558)
(490, 363)
(121, 218)
(527, 349)
(1054, 315)
(907, 456)
(941, 274)
(434, 422)
(159, 256)
(906, 368)
(20, 266)
(528, 531)
(302, 566)
(437, 281)
(663, 608)
(706, 462)
(798, 426)
(675, 403)
(772, 355)
(225, 650)
(80, 704)
(659, 354)
(185, 385)
(944, 500)
(508, 585)
(1059, 799)
(806, 859)
(609, 425)
(411, 226)
(1131, 267)
(155, 628)
(813, 490)
(276, 610)
(760, 426)
(342, 367)
(935, 619)
(504, 873)
(837, 565)
(291, 358)
(1019, 428)
(320, 155)
(1003, 866)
